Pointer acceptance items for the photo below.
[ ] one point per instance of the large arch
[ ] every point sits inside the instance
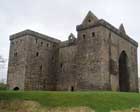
(123, 72)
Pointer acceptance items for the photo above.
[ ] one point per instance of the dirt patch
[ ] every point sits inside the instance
(31, 106)
(76, 109)
(19, 106)
(130, 110)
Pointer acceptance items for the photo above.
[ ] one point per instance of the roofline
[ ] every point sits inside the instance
(35, 34)
(107, 25)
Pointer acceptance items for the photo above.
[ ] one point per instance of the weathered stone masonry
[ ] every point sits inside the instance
(102, 57)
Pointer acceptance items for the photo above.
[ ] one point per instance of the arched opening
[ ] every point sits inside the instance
(123, 72)
(16, 88)
(72, 88)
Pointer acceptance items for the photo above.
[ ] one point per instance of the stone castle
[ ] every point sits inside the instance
(102, 57)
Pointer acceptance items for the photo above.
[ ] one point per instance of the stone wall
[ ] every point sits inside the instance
(112, 47)
(66, 77)
(41, 64)
(89, 59)
(17, 62)
(102, 57)
(118, 45)
(35, 66)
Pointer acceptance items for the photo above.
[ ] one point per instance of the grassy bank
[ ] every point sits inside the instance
(98, 101)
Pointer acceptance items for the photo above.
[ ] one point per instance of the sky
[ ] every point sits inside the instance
(58, 18)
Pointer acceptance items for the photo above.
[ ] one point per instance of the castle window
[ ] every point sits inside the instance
(41, 43)
(84, 36)
(36, 40)
(89, 20)
(40, 67)
(109, 34)
(47, 44)
(54, 45)
(12, 43)
(37, 53)
(15, 54)
(93, 34)
(53, 59)
(61, 65)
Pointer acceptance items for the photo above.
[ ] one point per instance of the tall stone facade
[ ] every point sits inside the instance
(102, 57)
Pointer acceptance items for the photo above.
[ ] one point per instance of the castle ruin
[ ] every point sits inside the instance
(101, 57)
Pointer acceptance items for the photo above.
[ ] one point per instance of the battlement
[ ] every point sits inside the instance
(92, 21)
(71, 41)
(35, 34)
(107, 25)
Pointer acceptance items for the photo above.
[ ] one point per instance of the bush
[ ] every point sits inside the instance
(3, 86)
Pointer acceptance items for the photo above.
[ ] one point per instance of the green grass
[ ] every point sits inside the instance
(99, 101)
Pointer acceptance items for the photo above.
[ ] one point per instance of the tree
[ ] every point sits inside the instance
(3, 69)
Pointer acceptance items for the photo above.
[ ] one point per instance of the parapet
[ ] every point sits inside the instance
(100, 22)
(35, 34)
(118, 32)
(71, 41)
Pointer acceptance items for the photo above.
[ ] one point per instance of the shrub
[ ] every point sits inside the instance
(3, 86)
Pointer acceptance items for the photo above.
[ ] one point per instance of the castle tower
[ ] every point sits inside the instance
(106, 57)
(32, 61)
(89, 55)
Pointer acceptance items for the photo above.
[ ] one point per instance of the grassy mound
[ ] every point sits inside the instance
(98, 101)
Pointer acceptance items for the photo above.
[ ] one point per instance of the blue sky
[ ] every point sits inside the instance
(58, 18)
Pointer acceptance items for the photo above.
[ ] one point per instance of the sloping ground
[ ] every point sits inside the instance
(98, 101)
(32, 106)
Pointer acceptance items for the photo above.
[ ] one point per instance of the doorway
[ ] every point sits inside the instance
(123, 72)
(72, 88)
(16, 89)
